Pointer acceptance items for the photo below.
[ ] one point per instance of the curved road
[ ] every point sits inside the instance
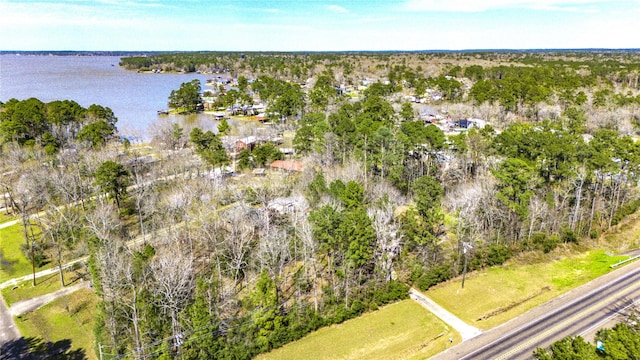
(579, 312)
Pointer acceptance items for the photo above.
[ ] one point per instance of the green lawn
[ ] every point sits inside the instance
(404, 330)
(13, 263)
(44, 285)
(68, 318)
(493, 296)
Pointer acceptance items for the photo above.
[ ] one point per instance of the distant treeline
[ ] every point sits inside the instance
(79, 53)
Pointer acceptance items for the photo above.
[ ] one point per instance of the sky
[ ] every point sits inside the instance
(317, 25)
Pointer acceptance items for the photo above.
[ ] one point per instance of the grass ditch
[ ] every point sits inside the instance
(496, 295)
(68, 319)
(403, 330)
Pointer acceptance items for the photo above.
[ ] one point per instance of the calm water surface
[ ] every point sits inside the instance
(134, 97)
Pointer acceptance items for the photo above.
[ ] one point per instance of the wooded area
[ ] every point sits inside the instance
(190, 263)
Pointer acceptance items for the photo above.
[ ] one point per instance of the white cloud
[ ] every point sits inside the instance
(484, 5)
(337, 8)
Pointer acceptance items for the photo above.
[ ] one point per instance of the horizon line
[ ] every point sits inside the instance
(17, 52)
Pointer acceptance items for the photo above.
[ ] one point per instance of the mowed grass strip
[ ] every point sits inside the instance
(6, 217)
(70, 318)
(44, 285)
(493, 296)
(13, 263)
(403, 330)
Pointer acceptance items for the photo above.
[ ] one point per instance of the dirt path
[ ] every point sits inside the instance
(25, 306)
(8, 223)
(47, 272)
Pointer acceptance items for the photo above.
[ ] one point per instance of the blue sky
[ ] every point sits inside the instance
(316, 25)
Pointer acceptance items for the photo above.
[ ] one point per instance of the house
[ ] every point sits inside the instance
(464, 124)
(470, 123)
(258, 108)
(248, 143)
(220, 80)
(219, 173)
(429, 116)
(287, 151)
(141, 160)
(287, 205)
(287, 165)
(479, 123)
(219, 116)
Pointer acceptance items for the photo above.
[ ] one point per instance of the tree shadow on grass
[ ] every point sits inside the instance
(36, 348)
(7, 265)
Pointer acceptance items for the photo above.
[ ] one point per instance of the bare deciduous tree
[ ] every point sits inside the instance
(173, 275)
(239, 223)
(389, 237)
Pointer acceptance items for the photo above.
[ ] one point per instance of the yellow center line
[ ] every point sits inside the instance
(571, 319)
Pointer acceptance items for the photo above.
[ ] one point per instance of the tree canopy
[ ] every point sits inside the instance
(187, 98)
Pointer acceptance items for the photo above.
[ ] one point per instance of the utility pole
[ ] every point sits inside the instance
(465, 248)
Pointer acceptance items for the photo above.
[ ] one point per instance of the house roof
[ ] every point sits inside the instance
(248, 140)
(287, 165)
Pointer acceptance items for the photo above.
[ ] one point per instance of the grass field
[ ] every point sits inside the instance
(4, 217)
(70, 317)
(13, 263)
(495, 295)
(404, 330)
(44, 285)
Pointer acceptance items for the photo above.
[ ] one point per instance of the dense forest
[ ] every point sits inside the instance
(189, 263)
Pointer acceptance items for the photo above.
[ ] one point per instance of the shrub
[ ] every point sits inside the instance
(550, 243)
(358, 307)
(390, 292)
(568, 236)
(545, 243)
(341, 314)
(497, 255)
(434, 276)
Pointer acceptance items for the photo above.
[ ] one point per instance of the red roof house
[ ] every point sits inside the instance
(287, 165)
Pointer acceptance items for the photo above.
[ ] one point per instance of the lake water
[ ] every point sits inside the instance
(134, 97)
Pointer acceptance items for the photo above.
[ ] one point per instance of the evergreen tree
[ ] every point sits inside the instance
(187, 98)
(113, 179)
(209, 147)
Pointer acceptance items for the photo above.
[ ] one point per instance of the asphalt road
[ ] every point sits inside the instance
(579, 312)
(8, 330)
